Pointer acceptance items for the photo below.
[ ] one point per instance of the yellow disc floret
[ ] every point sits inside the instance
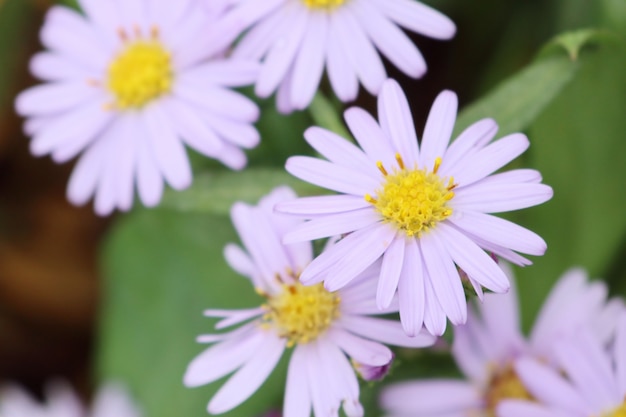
(414, 200)
(323, 4)
(618, 412)
(141, 73)
(301, 313)
(504, 384)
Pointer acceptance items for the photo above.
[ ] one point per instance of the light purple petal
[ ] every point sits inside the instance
(331, 176)
(393, 260)
(396, 121)
(370, 136)
(260, 38)
(249, 377)
(519, 408)
(297, 397)
(444, 275)
(473, 260)
(470, 141)
(417, 17)
(332, 225)
(53, 67)
(149, 177)
(490, 197)
(489, 159)
(282, 54)
(342, 76)
(438, 128)
(432, 397)
(411, 292)
(322, 205)
(384, 331)
(619, 353)
(362, 350)
(500, 232)
(389, 39)
(434, 316)
(308, 66)
(358, 48)
(55, 97)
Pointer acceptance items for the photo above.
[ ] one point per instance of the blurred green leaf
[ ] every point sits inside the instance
(516, 102)
(216, 192)
(327, 115)
(162, 269)
(578, 145)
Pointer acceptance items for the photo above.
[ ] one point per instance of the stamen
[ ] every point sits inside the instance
(381, 168)
(137, 31)
(437, 164)
(400, 161)
(92, 82)
(370, 199)
(121, 32)
(155, 33)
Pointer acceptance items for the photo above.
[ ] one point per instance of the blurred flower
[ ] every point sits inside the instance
(594, 383)
(422, 209)
(130, 85)
(297, 39)
(486, 347)
(111, 401)
(324, 328)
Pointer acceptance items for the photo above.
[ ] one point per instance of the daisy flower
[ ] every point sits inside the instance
(423, 208)
(486, 347)
(330, 332)
(110, 401)
(298, 39)
(127, 86)
(594, 383)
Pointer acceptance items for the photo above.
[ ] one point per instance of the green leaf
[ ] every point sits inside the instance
(517, 102)
(327, 115)
(216, 192)
(578, 145)
(162, 269)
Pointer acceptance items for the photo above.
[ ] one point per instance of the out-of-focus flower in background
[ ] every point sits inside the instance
(111, 400)
(127, 87)
(324, 328)
(298, 39)
(487, 346)
(422, 209)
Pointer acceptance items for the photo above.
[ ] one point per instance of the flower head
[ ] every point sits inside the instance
(423, 209)
(126, 88)
(111, 401)
(298, 39)
(487, 347)
(589, 381)
(324, 328)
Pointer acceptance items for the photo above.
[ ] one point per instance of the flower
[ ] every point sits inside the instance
(111, 401)
(126, 87)
(298, 39)
(423, 209)
(594, 383)
(323, 328)
(486, 347)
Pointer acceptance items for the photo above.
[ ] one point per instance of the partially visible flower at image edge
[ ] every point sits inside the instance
(298, 39)
(486, 347)
(324, 329)
(422, 208)
(126, 87)
(111, 400)
(590, 381)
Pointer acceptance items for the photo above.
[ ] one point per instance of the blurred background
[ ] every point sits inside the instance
(51, 286)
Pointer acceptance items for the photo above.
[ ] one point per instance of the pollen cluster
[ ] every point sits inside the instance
(301, 313)
(323, 4)
(504, 385)
(139, 74)
(414, 200)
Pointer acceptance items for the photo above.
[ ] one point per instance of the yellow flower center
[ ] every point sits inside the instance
(323, 4)
(504, 384)
(301, 313)
(618, 412)
(415, 200)
(141, 73)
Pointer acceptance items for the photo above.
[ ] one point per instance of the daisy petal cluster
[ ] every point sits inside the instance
(487, 347)
(298, 39)
(589, 382)
(330, 332)
(126, 88)
(61, 401)
(423, 208)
